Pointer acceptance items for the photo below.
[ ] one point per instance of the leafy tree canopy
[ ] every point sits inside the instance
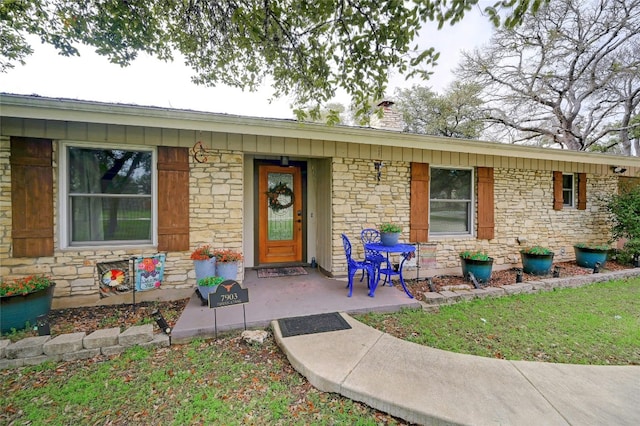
(456, 113)
(306, 49)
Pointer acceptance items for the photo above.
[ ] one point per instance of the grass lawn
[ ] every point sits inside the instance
(595, 324)
(227, 381)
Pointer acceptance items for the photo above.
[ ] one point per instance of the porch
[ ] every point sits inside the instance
(283, 297)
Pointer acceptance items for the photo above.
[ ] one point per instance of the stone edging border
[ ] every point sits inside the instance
(434, 300)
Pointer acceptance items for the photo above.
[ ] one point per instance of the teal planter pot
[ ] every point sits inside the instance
(481, 269)
(588, 257)
(16, 311)
(537, 264)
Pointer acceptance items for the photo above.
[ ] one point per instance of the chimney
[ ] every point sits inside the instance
(391, 118)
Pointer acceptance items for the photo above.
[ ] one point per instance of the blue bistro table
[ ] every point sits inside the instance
(405, 250)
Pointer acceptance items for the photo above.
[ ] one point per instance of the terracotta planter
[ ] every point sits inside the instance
(16, 311)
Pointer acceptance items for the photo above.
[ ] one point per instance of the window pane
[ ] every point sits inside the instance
(450, 217)
(567, 190)
(106, 171)
(280, 222)
(450, 184)
(110, 219)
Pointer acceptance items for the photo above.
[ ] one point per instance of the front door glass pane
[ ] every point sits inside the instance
(280, 207)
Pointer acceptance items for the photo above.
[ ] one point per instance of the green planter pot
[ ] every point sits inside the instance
(16, 311)
(537, 264)
(588, 257)
(481, 269)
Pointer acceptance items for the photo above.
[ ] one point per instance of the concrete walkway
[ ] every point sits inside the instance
(429, 386)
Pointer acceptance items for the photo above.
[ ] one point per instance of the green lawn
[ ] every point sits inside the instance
(595, 324)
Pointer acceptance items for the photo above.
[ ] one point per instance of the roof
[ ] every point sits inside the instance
(44, 108)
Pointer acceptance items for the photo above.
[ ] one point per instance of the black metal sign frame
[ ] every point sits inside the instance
(228, 293)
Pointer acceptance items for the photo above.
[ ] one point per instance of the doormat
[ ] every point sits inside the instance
(281, 272)
(312, 324)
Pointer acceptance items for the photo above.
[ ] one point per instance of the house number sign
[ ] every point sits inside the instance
(228, 293)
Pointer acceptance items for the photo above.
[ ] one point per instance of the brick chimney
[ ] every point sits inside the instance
(391, 118)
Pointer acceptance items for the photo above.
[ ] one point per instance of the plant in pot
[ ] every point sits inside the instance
(208, 285)
(390, 233)
(204, 262)
(23, 300)
(478, 263)
(537, 260)
(227, 263)
(588, 255)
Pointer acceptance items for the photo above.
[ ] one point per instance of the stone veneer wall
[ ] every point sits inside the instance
(523, 208)
(216, 189)
(360, 201)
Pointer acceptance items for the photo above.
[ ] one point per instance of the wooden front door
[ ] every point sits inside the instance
(280, 214)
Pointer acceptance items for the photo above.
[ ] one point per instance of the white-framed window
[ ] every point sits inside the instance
(451, 201)
(568, 189)
(107, 195)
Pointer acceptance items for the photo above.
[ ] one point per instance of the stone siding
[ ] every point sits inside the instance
(361, 201)
(523, 209)
(216, 211)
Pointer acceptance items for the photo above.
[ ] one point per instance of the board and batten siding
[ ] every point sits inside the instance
(152, 136)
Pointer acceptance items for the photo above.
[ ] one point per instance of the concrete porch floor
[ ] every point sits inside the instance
(283, 297)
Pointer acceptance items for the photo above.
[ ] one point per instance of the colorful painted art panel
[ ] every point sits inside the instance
(114, 278)
(149, 271)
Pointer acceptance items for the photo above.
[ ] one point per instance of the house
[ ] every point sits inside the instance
(86, 182)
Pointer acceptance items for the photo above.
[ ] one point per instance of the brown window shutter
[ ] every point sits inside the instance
(582, 191)
(173, 199)
(419, 217)
(31, 197)
(558, 199)
(486, 222)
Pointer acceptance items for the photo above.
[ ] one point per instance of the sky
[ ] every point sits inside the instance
(151, 82)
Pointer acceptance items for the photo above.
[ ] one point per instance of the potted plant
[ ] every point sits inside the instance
(227, 263)
(390, 233)
(478, 263)
(587, 255)
(204, 262)
(208, 285)
(537, 260)
(23, 300)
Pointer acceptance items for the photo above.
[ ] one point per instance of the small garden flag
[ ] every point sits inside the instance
(149, 271)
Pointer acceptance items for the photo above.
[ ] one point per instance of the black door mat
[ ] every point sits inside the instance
(312, 324)
(281, 272)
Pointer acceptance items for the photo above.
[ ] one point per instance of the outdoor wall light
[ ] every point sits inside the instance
(284, 161)
(162, 323)
(618, 169)
(378, 165)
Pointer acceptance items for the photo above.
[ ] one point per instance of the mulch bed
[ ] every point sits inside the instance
(501, 278)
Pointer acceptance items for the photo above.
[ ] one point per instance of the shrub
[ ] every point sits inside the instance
(474, 255)
(537, 250)
(389, 227)
(625, 211)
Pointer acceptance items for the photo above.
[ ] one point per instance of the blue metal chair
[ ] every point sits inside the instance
(370, 235)
(353, 266)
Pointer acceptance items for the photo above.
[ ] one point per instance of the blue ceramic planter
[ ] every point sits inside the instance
(537, 264)
(16, 311)
(227, 270)
(588, 257)
(389, 238)
(205, 268)
(481, 269)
